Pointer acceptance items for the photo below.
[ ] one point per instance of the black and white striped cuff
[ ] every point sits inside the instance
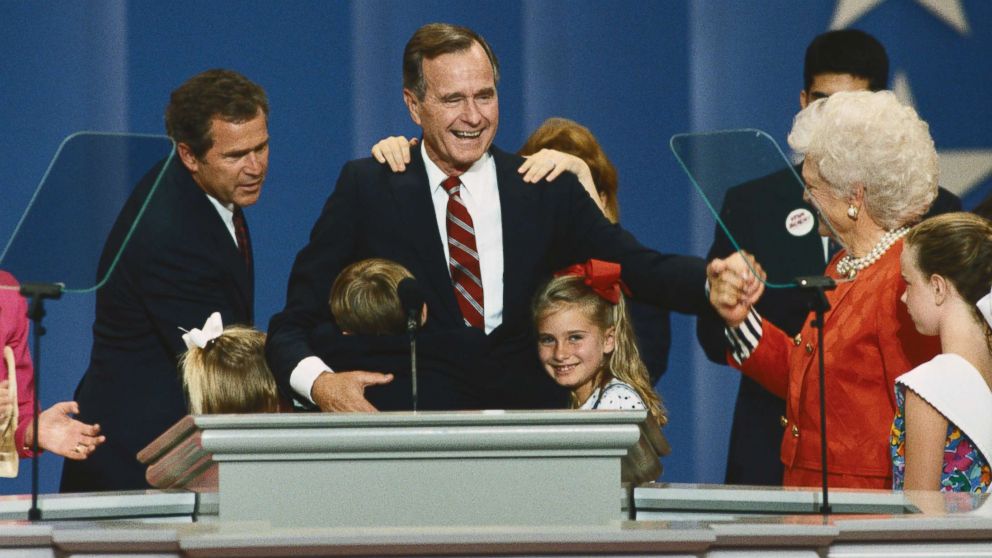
(744, 338)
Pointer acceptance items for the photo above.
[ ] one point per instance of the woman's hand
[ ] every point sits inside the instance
(734, 287)
(549, 164)
(394, 150)
(63, 435)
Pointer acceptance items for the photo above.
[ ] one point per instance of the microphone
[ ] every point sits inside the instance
(412, 300)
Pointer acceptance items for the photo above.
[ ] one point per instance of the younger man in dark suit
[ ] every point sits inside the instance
(189, 256)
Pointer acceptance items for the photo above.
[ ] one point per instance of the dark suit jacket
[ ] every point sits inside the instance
(755, 214)
(180, 265)
(374, 212)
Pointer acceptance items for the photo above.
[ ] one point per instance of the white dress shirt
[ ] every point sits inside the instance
(480, 194)
(226, 213)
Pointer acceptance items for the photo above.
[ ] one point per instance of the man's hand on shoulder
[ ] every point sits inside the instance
(345, 391)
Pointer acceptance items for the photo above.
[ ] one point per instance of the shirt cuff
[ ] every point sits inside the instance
(744, 338)
(302, 377)
(24, 449)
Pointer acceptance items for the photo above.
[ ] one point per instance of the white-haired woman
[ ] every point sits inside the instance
(870, 168)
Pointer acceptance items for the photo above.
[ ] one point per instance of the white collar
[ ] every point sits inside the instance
(226, 210)
(950, 384)
(474, 175)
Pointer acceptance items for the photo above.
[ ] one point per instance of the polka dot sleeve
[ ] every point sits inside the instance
(621, 397)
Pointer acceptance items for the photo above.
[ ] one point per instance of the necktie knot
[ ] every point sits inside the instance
(451, 185)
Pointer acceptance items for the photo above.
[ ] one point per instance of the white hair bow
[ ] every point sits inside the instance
(212, 329)
(985, 307)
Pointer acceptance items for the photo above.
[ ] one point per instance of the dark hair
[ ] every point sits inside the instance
(217, 93)
(573, 138)
(958, 247)
(433, 40)
(364, 298)
(847, 51)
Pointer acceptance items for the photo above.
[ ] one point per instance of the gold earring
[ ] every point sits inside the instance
(852, 212)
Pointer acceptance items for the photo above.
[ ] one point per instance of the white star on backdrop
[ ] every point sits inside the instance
(949, 11)
(960, 169)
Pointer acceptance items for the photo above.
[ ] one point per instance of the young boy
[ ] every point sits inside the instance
(364, 298)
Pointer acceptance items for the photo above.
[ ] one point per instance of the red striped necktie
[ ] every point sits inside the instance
(241, 233)
(463, 258)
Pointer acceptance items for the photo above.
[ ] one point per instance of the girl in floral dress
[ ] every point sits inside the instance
(942, 433)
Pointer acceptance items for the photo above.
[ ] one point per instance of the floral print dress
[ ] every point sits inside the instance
(965, 468)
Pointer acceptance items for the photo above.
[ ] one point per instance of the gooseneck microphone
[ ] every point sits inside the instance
(412, 300)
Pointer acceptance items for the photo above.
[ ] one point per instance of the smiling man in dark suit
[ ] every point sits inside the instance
(478, 239)
(189, 256)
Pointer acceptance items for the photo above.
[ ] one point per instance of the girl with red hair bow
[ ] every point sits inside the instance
(586, 343)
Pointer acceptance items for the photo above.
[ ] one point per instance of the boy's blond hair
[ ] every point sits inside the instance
(364, 300)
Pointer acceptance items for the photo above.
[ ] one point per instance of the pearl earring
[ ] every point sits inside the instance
(852, 212)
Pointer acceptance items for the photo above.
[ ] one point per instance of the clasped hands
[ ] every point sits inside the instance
(735, 283)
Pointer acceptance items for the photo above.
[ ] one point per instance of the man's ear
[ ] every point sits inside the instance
(190, 161)
(803, 99)
(412, 104)
(423, 314)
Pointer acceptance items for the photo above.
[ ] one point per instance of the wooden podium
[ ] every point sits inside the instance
(402, 469)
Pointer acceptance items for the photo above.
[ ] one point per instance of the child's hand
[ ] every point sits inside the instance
(394, 150)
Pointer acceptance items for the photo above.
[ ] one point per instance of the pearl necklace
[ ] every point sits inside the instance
(849, 266)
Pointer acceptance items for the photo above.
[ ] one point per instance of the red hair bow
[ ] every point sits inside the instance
(602, 277)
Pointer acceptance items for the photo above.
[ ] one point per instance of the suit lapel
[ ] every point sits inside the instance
(412, 194)
(517, 214)
(216, 240)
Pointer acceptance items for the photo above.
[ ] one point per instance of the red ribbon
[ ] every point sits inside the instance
(602, 277)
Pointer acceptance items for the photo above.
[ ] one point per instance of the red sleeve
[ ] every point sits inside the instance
(769, 362)
(14, 328)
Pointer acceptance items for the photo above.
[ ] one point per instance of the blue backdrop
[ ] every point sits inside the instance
(633, 72)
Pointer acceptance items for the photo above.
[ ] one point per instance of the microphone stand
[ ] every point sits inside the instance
(816, 288)
(411, 329)
(37, 293)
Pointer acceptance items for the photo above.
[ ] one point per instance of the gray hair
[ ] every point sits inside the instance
(872, 139)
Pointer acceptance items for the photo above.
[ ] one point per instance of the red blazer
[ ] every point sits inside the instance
(14, 333)
(870, 340)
